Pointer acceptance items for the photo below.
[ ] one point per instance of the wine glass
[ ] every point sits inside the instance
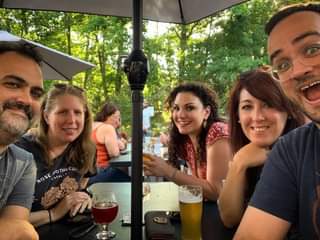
(104, 211)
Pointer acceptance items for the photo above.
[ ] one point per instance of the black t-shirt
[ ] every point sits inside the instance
(287, 185)
(54, 183)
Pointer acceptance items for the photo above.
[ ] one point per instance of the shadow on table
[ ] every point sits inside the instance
(66, 230)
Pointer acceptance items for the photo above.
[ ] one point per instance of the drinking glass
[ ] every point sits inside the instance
(190, 202)
(104, 211)
(146, 191)
(149, 149)
(151, 146)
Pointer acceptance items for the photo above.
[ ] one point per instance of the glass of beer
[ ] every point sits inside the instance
(190, 202)
(104, 211)
(147, 151)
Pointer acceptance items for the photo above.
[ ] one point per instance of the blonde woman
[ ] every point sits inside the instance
(64, 154)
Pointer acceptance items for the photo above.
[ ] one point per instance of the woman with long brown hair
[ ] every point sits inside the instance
(259, 113)
(64, 154)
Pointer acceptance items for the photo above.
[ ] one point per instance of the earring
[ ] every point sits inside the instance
(204, 123)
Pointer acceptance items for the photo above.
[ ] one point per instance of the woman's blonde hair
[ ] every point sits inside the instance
(81, 152)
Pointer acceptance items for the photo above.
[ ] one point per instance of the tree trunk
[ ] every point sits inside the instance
(183, 47)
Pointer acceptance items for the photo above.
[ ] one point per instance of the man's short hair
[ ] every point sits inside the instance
(24, 49)
(289, 10)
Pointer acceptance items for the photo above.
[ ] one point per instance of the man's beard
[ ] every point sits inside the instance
(308, 115)
(12, 127)
(313, 119)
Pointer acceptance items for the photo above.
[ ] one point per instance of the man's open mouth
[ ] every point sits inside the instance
(311, 91)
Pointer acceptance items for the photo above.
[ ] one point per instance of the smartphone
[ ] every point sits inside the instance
(126, 220)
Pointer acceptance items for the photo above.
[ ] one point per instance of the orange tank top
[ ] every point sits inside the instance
(101, 151)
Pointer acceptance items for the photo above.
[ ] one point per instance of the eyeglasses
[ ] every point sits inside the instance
(64, 86)
(308, 55)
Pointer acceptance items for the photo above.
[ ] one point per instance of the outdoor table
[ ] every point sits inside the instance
(164, 196)
(123, 160)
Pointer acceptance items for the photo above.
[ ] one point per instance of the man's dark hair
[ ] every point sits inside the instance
(289, 10)
(24, 49)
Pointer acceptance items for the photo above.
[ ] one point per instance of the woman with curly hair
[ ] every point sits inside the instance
(198, 137)
(64, 155)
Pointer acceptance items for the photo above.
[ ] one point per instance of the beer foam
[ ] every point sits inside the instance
(187, 197)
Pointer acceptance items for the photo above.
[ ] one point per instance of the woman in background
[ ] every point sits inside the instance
(259, 113)
(64, 155)
(198, 137)
(108, 144)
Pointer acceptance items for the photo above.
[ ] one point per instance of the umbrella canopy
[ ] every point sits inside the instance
(55, 65)
(173, 11)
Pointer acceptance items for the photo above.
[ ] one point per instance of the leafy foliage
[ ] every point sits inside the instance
(214, 50)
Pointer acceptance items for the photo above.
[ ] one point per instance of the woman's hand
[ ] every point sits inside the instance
(122, 143)
(72, 203)
(156, 166)
(251, 155)
(80, 207)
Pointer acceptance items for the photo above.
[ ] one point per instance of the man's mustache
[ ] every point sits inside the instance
(11, 104)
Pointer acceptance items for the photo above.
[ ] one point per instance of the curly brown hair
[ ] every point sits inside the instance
(208, 98)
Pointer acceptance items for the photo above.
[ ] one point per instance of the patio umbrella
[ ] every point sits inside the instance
(55, 65)
(136, 66)
(173, 11)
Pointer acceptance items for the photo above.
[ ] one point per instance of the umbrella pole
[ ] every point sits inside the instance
(136, 180)
(136, 68)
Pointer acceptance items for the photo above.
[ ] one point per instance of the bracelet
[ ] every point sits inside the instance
(174, 174)
(50, 218)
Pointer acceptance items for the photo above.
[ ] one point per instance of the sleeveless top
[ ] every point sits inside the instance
(101, 151)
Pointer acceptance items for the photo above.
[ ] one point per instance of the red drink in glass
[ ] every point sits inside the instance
(104, 213)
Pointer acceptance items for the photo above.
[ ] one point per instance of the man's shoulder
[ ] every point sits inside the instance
(29, 143)
(290, 150)
(301, 132)
(19, 153)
